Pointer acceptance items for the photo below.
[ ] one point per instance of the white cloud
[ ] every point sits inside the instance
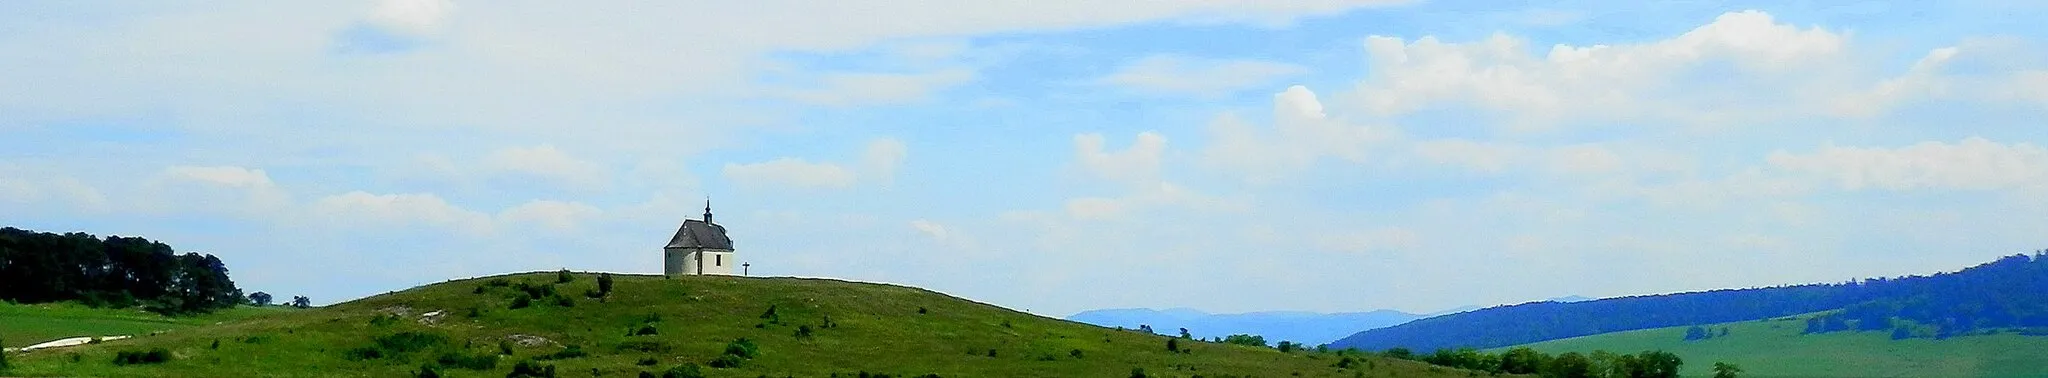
(1371, 240)
(61, 192)
(415, 17)
(1605, 81)
(1203, 77)
(882, 157)
(1301, 135)
(1137, 164)
(547, 162)
(1150, 196)
(365, 210)
(861, 89)
(878, 163)
(247, 192)
(791, 172)
(549, 214)
(1971, 164)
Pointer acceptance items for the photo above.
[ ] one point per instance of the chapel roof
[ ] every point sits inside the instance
(696, 234)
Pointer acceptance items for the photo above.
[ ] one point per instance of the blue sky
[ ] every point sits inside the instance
(1048, 155)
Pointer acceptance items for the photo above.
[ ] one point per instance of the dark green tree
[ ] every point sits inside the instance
(604, 283)
(260, 298)
(1521, 360)
(1695, 333)
(1567, 365)
(1726, 370)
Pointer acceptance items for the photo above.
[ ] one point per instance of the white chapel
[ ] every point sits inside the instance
(699, 247)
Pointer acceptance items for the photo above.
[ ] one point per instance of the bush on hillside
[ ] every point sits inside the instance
(684, 371)
(531, 369)
(563, 276)
(132, 357)
(1247, 340)
(743, 348)
(479, 361)
(727, 361)
(573, 351)
(647, 361)
(604, 283)
(427, 371)
(644, 330)
(564, 301)
(521, 302)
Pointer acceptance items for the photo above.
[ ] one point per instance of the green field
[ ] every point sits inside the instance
(879, 328)
(23, 325)
(1774, 348)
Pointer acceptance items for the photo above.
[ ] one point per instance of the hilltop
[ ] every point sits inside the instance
(793, 327)
(1310, 328)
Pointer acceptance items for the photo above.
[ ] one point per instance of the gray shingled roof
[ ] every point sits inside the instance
(700, 234)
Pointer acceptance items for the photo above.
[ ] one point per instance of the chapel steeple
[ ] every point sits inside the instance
(707, 210)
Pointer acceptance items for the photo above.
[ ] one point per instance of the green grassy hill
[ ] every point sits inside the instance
(1775, 348)
(24, 324)
(873, 328)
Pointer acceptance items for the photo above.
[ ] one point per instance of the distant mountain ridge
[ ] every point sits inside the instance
(1305, 327)
(2009, 292)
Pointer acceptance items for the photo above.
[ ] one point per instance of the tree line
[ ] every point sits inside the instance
(115, 271)
(2009, 292)
(1598, 364)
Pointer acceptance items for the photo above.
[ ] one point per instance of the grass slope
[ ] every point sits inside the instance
(879, 329)
(28, 324)
(1774, 348)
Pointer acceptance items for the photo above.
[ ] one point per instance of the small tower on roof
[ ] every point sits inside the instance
(699, 247)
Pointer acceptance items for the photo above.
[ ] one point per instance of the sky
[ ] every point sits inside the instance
(1052, 156)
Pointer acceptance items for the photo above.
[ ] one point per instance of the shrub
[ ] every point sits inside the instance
(604, 283)
(644, 346)
(215, 346)
(647, 361)
(742, 348)
(1076, 354)
(408, 342)
(497, 282)
(521, 302)
(573, 351)
(684, 371)
(1247, 340)
(727, 361)
(563, 276)
(504, 347)
(529, 368)
(362, 353)
(564, 301)
(131, 357)
(920, 310)
(644, 330)
(428, 371)
(473, 313)
(645, 374)
(1137, 372)
(803, 331)
(1173, 345)
(468, 361)
(772, 316)
(991, 352)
